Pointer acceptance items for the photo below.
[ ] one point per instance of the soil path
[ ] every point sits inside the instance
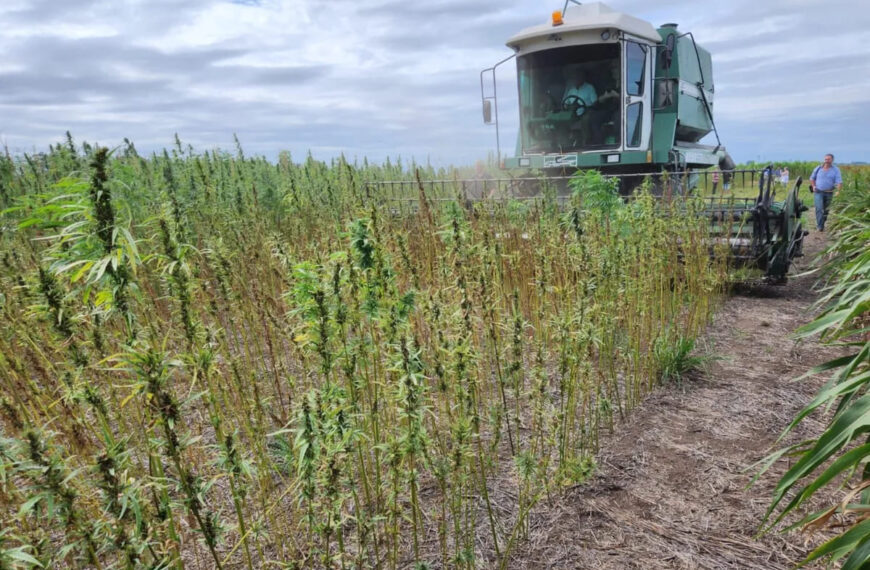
(670, 491)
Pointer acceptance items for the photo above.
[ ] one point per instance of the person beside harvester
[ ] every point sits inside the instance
(825, 183)
(785, 176)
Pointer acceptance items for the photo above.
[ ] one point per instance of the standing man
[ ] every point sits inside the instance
(825, 183)
(715, 179)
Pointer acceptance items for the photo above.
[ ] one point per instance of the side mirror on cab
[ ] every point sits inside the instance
(487, 111)
(668, 52)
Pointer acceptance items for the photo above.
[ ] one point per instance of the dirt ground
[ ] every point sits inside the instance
(671, 486)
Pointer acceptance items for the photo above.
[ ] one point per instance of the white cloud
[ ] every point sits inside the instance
(775, 107)
(770, 27)
(779, 50)
(386, 77)
(68, 30)
(265, 24)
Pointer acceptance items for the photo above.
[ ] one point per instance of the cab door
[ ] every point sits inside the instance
(637, 69)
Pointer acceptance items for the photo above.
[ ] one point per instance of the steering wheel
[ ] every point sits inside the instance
(575, 103)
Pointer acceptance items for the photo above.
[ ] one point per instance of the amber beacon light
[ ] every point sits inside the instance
(557, 18)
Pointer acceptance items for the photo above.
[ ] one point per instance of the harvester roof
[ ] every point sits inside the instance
(585, 18)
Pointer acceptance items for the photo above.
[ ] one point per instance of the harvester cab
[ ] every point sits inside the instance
(602, 89)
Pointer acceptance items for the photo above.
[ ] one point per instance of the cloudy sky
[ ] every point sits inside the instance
(381, 78)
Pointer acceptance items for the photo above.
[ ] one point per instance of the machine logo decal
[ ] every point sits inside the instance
(560, 160)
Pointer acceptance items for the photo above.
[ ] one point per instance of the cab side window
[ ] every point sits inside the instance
(635, 56)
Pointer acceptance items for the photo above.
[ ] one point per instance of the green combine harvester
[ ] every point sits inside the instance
(605, 90)
(599, 89)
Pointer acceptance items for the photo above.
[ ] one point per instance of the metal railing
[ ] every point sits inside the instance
(530, 188)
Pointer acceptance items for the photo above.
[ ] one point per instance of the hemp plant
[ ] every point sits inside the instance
(153, 371)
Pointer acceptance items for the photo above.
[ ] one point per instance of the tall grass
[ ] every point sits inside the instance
(834, 465)
(210, 360)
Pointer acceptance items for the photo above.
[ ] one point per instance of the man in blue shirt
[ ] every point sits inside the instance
(579, 94)
(578, 97)
(825, 183)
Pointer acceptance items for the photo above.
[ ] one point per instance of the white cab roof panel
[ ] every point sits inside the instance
(588, 17)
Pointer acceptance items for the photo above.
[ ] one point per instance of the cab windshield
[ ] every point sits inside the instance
(570, 99)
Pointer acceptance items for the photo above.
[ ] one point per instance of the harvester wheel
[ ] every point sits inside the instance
(726, 165)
